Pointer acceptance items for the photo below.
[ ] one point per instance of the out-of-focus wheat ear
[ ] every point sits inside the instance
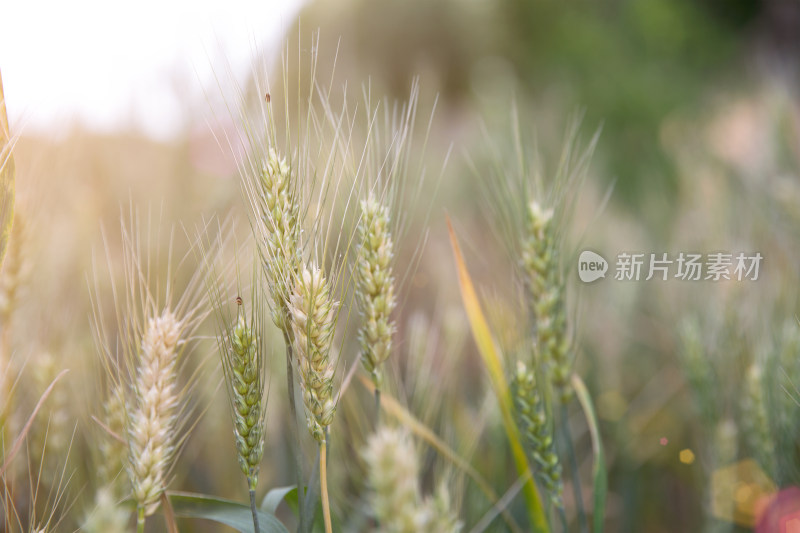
(153, 421)
(113, 446)
(393, 470)
(547, 290)
(51, 434)
(375, 287)
(7, 176)
(755, 419)
(12, 276)
(107, 516)
(694, 359)
(395, 498)
(725, 447)
(536, 428)
(438, 512)
(106, 513)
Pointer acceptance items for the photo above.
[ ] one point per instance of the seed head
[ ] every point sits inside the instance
(534, 425)
(52, 433)
(280, 210)
(244, 364)
(313, 317)
(112, 452)
(152, 428)
(375, 289)
(755, 421)
(393, 469)
(107, 516)
(547, 291)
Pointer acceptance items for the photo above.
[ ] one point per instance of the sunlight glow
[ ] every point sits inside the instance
(112, 66)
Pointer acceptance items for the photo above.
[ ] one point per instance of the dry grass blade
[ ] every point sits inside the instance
(21, 437)
(7, 172)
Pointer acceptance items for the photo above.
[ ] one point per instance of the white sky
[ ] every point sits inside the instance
(113, 65)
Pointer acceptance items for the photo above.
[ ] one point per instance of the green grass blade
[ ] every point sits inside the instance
(7, 173)
(227, 512)
(491, 358)
(275, 496)
(599, 473)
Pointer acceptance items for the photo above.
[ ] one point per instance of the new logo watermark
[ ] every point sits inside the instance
(591, 266)
(716, 266)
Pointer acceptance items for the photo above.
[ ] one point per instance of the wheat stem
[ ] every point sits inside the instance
(562, 516)
(323, 482)
(139, 519)
(377, 407)
(253, 509)
(294, 449)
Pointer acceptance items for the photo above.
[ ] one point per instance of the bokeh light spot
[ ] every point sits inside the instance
(686, 456)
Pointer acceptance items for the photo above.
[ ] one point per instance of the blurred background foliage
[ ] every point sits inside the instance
(700, 151)
(632, 65)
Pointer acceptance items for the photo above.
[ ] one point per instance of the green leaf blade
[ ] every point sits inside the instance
(275, 496)
(227, 512)
(599, 472)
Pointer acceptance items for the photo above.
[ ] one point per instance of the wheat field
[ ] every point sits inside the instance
(348, 303)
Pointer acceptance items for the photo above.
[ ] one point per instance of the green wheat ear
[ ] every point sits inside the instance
(244, 364)
(536, 429)
(755, 421)
(548, 295)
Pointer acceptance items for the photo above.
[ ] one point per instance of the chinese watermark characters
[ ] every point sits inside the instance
(716, 266)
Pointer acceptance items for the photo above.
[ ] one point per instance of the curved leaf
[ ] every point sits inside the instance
(232, 514)
(275, 496)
